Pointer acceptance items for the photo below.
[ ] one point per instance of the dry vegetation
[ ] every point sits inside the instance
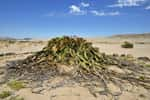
(72, 61)
(127, 44)
(78, 59)
(5, 94)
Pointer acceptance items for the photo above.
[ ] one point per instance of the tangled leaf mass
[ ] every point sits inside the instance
(68, 51)
(87, 62)
(73, 51)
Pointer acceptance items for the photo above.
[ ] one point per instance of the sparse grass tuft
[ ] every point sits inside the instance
(142, 78)
(16, 85)
(127, 44)
(147, 65)
(5, 94)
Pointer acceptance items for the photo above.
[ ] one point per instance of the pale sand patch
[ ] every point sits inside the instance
(21, 47)
(28, 95)
(81, 93)
(62, 93)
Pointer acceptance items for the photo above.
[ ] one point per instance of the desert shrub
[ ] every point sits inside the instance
(70, 51)
(16, 85)
(5, 94)
(127, 44)
(11, 41)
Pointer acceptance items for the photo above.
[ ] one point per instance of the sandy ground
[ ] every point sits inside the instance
(139, 50)
(21, 47)
(76, 92)
(109, 46)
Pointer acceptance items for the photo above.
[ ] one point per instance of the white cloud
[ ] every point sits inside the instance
(81, 9)
(76, 10)
(85, 4)
(127, 3)
(147, 8)
(102, 13)
(97, 13)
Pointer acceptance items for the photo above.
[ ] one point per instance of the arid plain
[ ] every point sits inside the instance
(20, 49)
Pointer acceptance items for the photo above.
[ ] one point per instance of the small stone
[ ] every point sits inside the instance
(116, 69)
(125, 63)
(113, 89)
(2, 72)
(2, 80)
(144, 59)
(99, 89)
(37, 90)
(142, 95)
(115, 55)
(65, 70)
(36, 84)
(128, 71)
(128, 87)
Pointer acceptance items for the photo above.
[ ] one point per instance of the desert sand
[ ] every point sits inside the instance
(76, 92)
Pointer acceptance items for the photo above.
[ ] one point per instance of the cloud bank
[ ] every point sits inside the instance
(102, 13)
(76, 10)
(82, 10)
(127, 3)
(147, 8)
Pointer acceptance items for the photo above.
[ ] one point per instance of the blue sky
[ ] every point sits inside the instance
(50, 18)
